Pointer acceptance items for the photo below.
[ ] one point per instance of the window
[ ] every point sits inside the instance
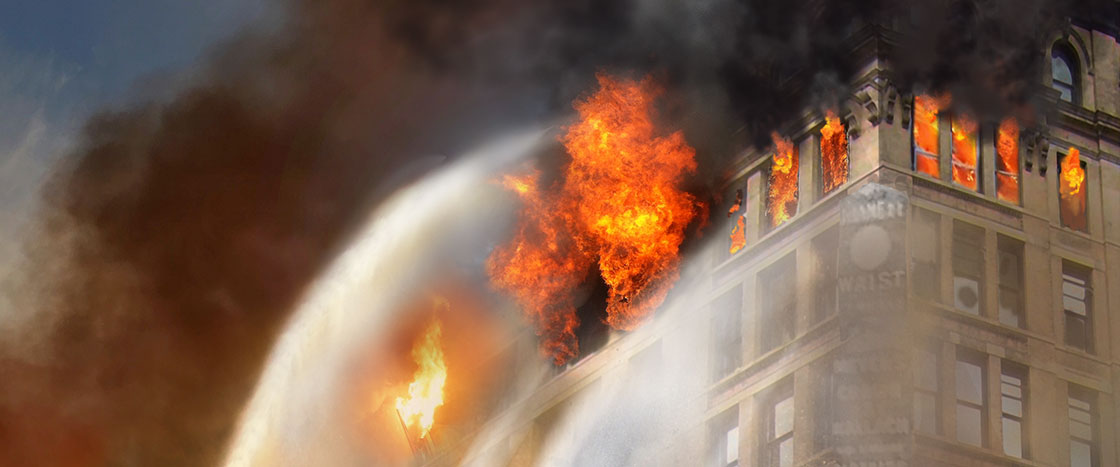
(925, 134)
(966, 149)
(1064, 73)
(782, 184)
(1082, 428)
(1076, 303)
(1071, 191)
(1011, 305)
(724, 435)
(825, 247)
(968, 267)
(926, 419)
(737, 213)
(1013, 393)
(777, 433)
(925, 269)
(971, 399)
(834, 154)
(777, 292)
(727, 336)
(1007, 160)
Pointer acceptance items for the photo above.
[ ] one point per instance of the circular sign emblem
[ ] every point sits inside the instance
(870, 247)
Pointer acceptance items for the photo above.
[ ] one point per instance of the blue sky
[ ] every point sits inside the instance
(61, 60)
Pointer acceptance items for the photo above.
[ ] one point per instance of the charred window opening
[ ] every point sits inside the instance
(927, 147)
(1065, 73)
(926, 387)
(972, 398)
(925, 251)
(737, 212)
(1011, 306)
(723, 433)
(777, 287)
(777, 431)
(782, 190)
(1077, 295)
(834, 154)
(727, 337)
(1071, 190)
(1013, 405)
(593, 331)
(825, 258)
(1083, 448)
(968, 267)
(966, 149)
(1007, 161)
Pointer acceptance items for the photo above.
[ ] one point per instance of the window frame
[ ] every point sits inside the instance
(1088, 398)
(1013, 247)
(1071, 270)
(770, 443)
(773, 312)
(967, 357)
(1064, 52)
(1011, 370)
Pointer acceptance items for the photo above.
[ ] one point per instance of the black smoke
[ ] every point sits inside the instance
(181, 233)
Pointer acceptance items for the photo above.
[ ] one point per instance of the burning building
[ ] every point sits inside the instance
(883, 292)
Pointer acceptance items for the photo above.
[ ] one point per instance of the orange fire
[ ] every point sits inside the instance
(738, 231)
(1072, 191)
(425, 393)
(1007, 168)
(834, 153)
(964, 151)
(783, 181)
(926, 146)
(619, 206)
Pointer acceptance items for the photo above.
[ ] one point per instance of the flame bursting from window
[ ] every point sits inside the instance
(783, 181)
(1007, 168)
(964, 151)
(425, 393)
(926, 146)
(738, 231)
(618, 206)
(834, 153)
(1072, 191)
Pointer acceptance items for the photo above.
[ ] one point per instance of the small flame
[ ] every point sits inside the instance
(783, 181)
(1007, 170)
(619, 206)
(926, 146)
(1072, 191)
(964, 151)
(834, 153)
(425, 393)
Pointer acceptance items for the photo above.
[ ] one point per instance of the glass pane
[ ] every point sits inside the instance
(783, 417)
(785, 453)
(1074, 305)
(970, 383)
(968, 425)
(732, 454)
(1080, 430)
(1009, 308)
(925, 412)
(1066, 92)
(1012, 438)
(1076, 331)
(1071, 289)
(1080, 454)
(1059, 70)
(1013, 406)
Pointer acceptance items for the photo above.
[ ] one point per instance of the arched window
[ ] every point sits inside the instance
(1064, 73)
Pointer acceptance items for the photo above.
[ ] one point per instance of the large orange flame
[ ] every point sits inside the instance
(425, 393)
(738, 231)
(783, 181)
(1072, 191)
(926, 145)
(834, 153)
(1007, 169)
(964, 151)
(618, 206)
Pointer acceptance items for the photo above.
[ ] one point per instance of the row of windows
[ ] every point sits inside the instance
(971, 412)
(968, 286)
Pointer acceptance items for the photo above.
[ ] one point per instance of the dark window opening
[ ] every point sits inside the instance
(1011, 306)
(825, 248)
(778, 423)
(968, 267)
(723, 435)
(1065, 74)
(1077, 306)
(926, 407)
(777, 292)
(726, 353)
(972, 401)
(925, 269)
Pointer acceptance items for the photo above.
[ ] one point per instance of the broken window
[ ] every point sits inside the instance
(1064, 73)
(727, 336)
(926, 409)
(724, 434)
(782, 184)
(777, 292)
(1013, 397)
(966, 150)
(825, 248)
(925, 269)
(777, 432)
(834, 154)
(1083, 449)
(927, 147)
(968, 267)
(737, 212)
(971, 398)
(1071, 188)
(1076, 303)
(1011, 306)
(1007, 160)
